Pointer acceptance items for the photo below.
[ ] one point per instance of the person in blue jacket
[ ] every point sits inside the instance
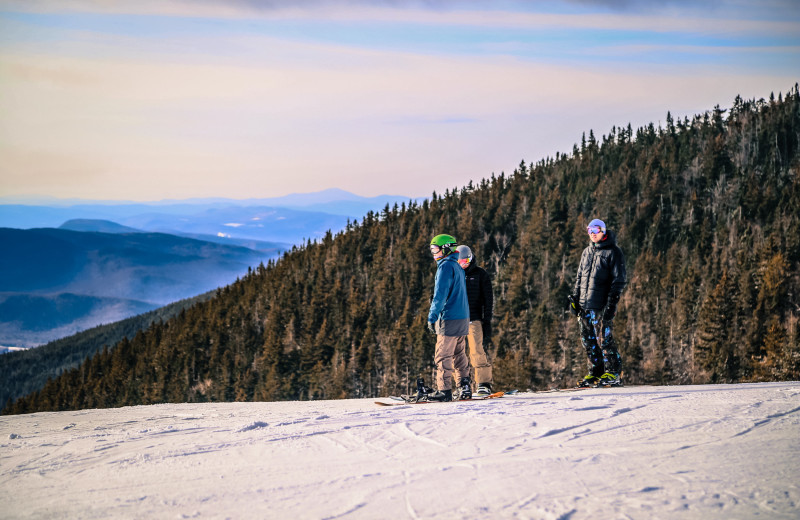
(449, 320)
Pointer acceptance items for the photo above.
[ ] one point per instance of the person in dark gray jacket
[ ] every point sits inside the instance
(481, 304)
(598, 286)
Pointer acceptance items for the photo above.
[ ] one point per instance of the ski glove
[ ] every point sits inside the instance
(611, 308)
(486, 325)
(432, 327)
(574, 306)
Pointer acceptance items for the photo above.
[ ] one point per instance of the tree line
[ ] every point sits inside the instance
(705, 210)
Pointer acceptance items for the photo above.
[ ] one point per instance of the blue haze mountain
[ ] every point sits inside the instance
(105, 226)
(289, 219)
(99, 226)
(56, 282)
(111, 260)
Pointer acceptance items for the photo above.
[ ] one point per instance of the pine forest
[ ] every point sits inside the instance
(705, 210)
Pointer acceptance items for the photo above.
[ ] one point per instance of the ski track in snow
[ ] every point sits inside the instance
(716, 451)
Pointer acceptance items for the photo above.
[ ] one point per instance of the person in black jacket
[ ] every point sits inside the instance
(598, 286)
(481, 304)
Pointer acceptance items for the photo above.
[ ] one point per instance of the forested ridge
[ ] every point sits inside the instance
(705, 210)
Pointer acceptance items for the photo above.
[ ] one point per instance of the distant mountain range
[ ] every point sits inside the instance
(55, 282)
(71, 265)
(151, 267)
(106, 226)
(289, 219)
(98, 226)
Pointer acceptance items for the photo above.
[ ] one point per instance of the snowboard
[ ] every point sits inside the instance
(402, 400)
(570, 389)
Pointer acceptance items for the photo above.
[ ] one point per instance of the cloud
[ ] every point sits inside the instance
(626, 15)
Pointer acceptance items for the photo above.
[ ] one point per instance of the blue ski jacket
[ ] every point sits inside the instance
(449, 303)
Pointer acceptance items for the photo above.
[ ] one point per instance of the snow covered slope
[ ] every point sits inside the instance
(722, 451)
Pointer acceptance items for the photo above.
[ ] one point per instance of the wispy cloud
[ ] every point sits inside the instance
(713, 17)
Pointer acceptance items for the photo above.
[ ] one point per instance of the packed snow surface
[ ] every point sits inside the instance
(717, 451)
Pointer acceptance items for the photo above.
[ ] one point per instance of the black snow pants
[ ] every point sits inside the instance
(602, 358)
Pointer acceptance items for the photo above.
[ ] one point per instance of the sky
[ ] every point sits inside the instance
(173, 99)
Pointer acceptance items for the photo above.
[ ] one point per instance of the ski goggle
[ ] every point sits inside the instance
(594, 230)
(435, 249)
(464, 262)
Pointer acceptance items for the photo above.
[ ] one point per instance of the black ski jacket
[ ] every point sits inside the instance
(479, 294)
(601, 274)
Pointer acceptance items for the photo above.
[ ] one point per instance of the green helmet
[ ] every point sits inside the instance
(445, 243)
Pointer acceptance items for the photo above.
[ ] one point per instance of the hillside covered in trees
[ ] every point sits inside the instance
(705, 210)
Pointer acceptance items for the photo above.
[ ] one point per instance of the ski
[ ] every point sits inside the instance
(570, 389)
(579, 388)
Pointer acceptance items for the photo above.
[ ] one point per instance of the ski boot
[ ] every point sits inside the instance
(422, 390)
(465, 392)
(588, 381)
(484, 389)
(443, 396)
(609, 379)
